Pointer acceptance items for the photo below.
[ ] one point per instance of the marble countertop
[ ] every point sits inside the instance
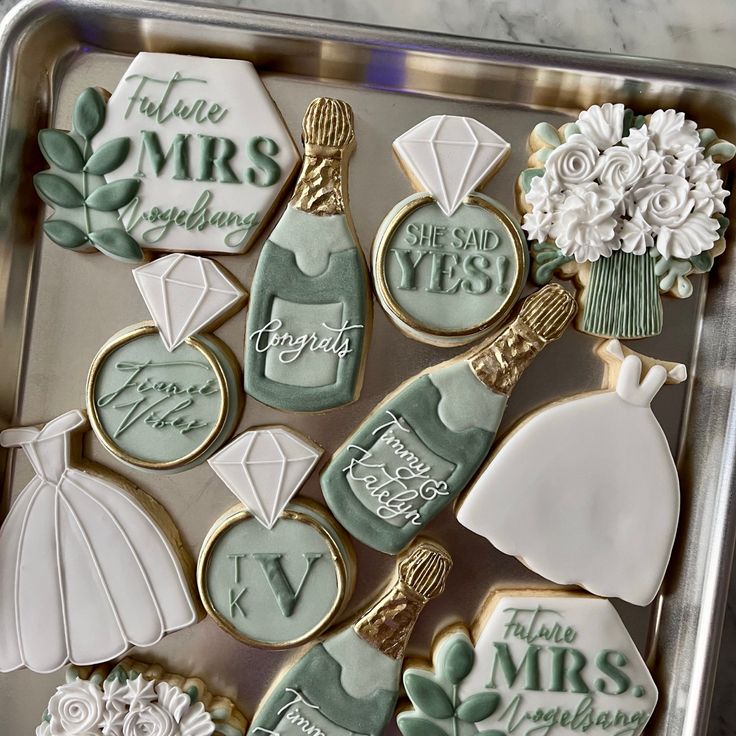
(675, 29)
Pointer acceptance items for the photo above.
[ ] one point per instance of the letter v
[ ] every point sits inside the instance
(285, 595)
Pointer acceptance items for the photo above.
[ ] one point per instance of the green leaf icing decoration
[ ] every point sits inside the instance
(458, 661)
(702, 261)
(428, 696)
(59, 149)
(65, 234)
(418, 726)
(85, 205)
(526, 177)
(478, 707)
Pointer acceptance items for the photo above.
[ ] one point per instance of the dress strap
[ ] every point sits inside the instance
(18, 436)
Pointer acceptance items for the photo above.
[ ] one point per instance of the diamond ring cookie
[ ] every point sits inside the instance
(349, 683)
(449, 263)
(537, 662)
(627, 205)
(136, 699)
(419, 448)
(162, 395)
(89, 565)
(564, 522)
(273, 572)
(310, 315)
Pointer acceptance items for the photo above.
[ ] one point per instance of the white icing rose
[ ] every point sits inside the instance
(639, 141)
(537, 225)
(697, 233)
(671, 131)
(153, 720)
(76, 709)
(603, 124)
(585, 225)
(635, 235)
(664, 200)
(197, 722)
(619, 169)
(573, 162)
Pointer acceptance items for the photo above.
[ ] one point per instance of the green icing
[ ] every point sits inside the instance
(273, 586)
(157, 406)
(547, 133)
(295, 359)
(413, 496)
(313, 690)
(454, 272)
(85, 205)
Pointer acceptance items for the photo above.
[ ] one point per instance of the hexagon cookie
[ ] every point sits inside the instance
(208, 146)
(540, 663)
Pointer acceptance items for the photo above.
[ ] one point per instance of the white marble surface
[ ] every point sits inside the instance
(685, 30)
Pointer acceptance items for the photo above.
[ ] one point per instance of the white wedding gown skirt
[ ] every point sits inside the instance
(85, 572)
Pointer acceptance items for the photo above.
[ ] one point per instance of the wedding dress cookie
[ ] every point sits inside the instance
(89, 566)
(607, 519)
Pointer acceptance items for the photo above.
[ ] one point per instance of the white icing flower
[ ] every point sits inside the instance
(175, 700)
(573, 162)
(153, 720)
(619, 169)
(635, 235)
(544, 193)
(690, 155)
(585, 226)
(537, 225)
(603, 124)
(671, 131)
(708, 195)
(639, 141)
(197, 722)
(139, 693)
(76, 709)
(664, 200)
(653, 164)
(697, 233)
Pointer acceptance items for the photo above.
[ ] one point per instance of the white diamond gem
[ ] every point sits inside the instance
(185, 294)
(450, 156)
(265, 468)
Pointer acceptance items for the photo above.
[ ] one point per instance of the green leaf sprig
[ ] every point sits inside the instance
(75, 186)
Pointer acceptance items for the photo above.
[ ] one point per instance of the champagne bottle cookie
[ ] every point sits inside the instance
(273, 572)
(349, 683)
(552, 514)
(421, 446)
(536, 662)
(448, 262)
(132, 699)
(163, 395)
(89, 565)
(310, 313)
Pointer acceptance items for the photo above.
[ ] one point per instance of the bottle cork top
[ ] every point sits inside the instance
(548, 311)
(424, 569)
(328, 122)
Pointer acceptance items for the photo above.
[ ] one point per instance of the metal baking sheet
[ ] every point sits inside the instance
(57, 308)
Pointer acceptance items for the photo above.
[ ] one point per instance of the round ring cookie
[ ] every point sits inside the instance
(449, 263)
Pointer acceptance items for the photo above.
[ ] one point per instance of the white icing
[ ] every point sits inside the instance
(237, 109)
(265, 468)
(619, 168)
(602, 124)
(686, 240)
(602, 515)
(584, 625)
(141, 707)
(671, 131)
(635, 235)
(450, 156)
(185, 294)
(663, 200)
(85, 571)
(573, 162)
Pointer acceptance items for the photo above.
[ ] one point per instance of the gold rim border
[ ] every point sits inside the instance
(123, 339)
(236, 515)
(385, 236)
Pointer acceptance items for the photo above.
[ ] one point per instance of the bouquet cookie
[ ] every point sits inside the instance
(629, 206)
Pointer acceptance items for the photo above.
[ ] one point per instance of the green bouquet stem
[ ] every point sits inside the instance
(622, 298)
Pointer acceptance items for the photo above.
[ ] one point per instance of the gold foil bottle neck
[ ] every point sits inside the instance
(499, 362)
(421, 575)
(328, 133)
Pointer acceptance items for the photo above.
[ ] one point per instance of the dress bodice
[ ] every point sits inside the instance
(48, 449)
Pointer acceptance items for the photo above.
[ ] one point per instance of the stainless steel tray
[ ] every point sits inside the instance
(57, 308)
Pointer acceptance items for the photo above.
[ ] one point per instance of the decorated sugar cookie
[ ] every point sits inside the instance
(420, 447)
(349, 683)
(627, 205)
(585, 490)
(136, 699)
(310, 315)
(208, 147)
(449, 263)
(89, 565)
(164, 396)
(273, 572)
(537, 663)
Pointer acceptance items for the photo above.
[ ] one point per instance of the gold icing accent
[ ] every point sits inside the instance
(499, 362)
(420, 576)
